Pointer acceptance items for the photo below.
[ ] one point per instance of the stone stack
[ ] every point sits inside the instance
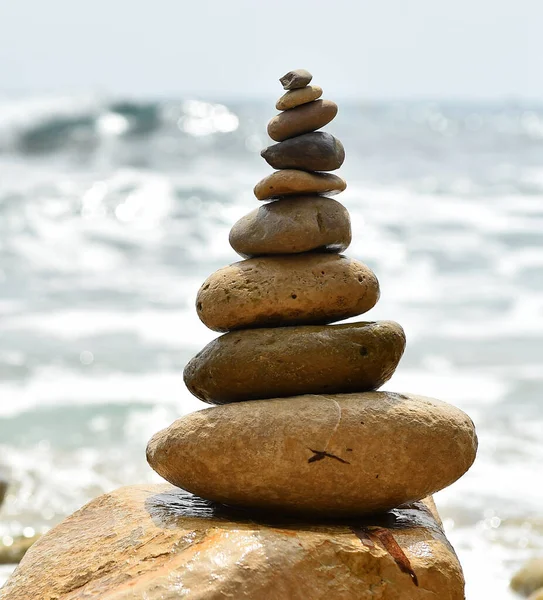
(302, 429)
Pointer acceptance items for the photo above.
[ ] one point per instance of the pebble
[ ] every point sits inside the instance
(298, 78)
(297, 289)
(302, 119)
(292, 181)
(290, 361)
(297, 97)
(292, 225)
(316, 151)
(529, 578)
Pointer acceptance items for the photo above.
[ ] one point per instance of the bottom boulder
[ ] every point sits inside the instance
(160, 542)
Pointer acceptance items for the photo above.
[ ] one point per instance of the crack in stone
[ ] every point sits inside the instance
(340, 414)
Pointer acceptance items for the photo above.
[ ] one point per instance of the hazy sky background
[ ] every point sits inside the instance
(360, 48)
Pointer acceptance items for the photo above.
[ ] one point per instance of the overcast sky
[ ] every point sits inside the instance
(361, 48)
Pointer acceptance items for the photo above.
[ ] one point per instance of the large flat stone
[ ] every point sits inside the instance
(155, 542)
(333, 455)
(289, 361)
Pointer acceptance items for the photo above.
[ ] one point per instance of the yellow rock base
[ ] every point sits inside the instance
(157, 542)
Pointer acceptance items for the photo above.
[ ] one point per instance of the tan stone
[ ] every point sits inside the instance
(302, 119)
(159, 543)
(294, 98)
(529, 578)
(334, 455)
(293, 225)
(537, 595)
(289, 361)
(293, 181)
(296, 79)
(286, 290)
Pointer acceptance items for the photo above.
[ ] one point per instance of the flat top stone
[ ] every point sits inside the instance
(293, 80)
(157, 541)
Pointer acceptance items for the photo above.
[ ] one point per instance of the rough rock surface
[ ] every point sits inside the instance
(317, 151)
(342, 454)
(286, 290)
(302, 119)
(293, 225)
(289, 361)
(294, 98)
(298, 78)
(160, 543)
(529, 578)
(292, 181)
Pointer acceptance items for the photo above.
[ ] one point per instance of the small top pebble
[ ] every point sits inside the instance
(296, 79)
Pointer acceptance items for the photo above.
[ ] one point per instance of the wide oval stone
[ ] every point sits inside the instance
(301, 119)
(295, 79)
(292, 181)
(333, 455)
(316, 151)
(294, 98)
(289, 361)
(292, 225)
(286, 290)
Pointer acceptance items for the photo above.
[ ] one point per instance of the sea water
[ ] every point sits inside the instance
(113, 212)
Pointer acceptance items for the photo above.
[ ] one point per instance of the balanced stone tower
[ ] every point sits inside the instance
(306, 483)
(316, 438)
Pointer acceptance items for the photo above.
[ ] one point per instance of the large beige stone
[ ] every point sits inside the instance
(302, 119)
(292, 181)
(529, 578)
(286, 290)
(334, 455)
(289, 361)
(156, 542)
(294, 98)
(293, 225)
